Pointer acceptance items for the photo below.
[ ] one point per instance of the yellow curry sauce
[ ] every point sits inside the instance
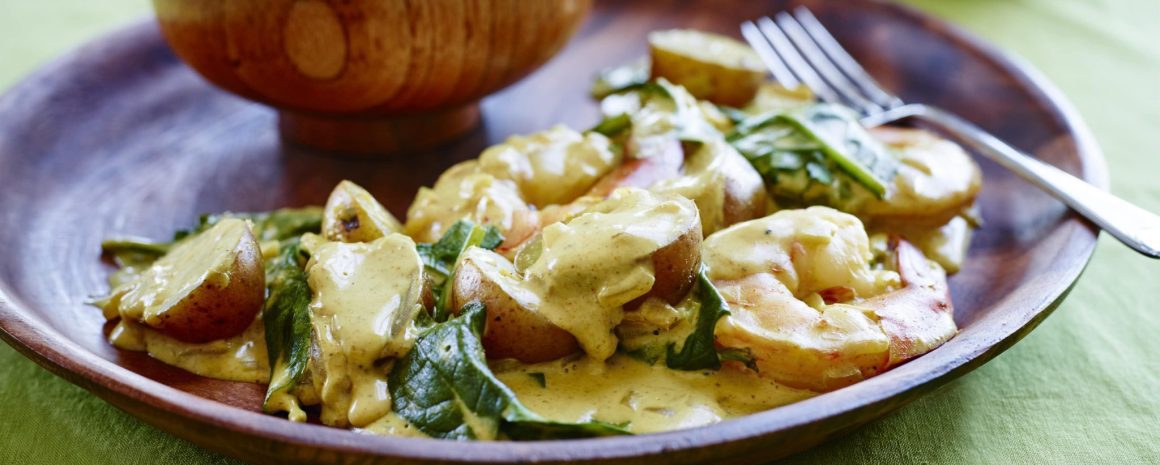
(590, 267)
(238, 358)
(646, 398)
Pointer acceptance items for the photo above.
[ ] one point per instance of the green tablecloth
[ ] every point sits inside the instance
(1083, 388)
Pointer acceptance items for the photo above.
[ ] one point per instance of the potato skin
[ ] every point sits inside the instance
(512, 331)
(675, 267)
(211, 311)
(353, 215)
(745, 195)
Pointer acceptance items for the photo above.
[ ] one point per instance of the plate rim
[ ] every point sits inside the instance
(126, 389)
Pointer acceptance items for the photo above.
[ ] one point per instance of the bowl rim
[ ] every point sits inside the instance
(124, 388)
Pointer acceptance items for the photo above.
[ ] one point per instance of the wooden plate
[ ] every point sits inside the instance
(120, 138)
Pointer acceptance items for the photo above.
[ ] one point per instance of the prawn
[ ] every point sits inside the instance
(810, 306)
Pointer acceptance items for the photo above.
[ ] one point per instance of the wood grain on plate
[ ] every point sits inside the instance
(120, 138)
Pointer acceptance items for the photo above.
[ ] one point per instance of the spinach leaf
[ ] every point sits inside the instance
(440, 257)
(276, 225)
(745, 356)
(444, 387)
(287, 319)
(537, 429)
(699, 351)
(613, 126)
(848, 143)
(829, 134)
(134, 252)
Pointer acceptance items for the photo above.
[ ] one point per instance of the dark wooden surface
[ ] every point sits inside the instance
(121, 138)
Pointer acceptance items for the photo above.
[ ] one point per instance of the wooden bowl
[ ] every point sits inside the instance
(119, 138)
(368, 76)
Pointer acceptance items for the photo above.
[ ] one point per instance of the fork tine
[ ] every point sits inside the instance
(794, 61)
(822, 64)
(761, 46)
(844, 61)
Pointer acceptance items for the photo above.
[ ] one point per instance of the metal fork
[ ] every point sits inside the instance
(797, 49)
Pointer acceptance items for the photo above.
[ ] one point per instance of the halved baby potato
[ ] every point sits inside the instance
(514, 329)
(208, 287)
(620, 252)
(745, 194)
(353, 215)
(712, 67)
(725, 187)
(675, 267)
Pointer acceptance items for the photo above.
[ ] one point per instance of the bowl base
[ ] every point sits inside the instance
(378, 136)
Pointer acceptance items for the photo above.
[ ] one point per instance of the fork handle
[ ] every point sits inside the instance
(1135, 227)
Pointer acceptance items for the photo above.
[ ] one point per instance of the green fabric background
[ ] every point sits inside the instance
(1083, 388)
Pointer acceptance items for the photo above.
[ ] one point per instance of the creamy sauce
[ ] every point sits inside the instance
(503, 273)
(509, 180)
(646, 398)
(239, 358)
(551, 167)
(392, 424)
(366, 296)
(947, 244)
(464, 193)
(593, 265)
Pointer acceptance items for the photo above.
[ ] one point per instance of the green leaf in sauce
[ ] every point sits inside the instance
(276, 225)
(286, 316)
(538, 429)
(440, 258)
(848, 143)
(132, 257)
(128, 251)
(831, 134)
(744, 356)
(699, 351)
(444, 388)
(613, 126)
(819, 173)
